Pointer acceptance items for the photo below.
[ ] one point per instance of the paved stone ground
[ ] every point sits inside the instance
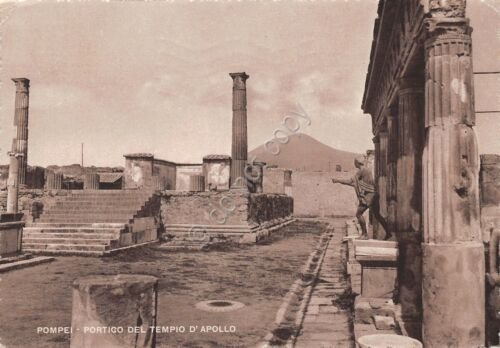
(326, 325)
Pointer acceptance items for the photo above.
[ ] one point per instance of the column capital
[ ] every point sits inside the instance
(450, 8)
(22, 84)
(239, 79)
(444, 27)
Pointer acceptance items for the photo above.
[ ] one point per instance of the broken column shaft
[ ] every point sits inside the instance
(20, 143)
(453, 284)
(13, 182)
(239, 147)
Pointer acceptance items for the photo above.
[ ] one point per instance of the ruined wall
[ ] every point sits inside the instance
(197, 207)
(264, 207)
(223, 208)
(314, 194)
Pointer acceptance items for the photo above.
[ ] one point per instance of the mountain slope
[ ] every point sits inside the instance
(302, 152)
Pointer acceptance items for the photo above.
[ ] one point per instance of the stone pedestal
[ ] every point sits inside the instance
(20, 143)
(453, 253)
(378, 267)
(122, 302)
(239, 148)
(54, 181)
(11, 233)
(91, 181)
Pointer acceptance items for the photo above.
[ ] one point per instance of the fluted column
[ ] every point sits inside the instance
(196, 183)
(13, 182)
(239, 148)
(91, 181)
(20, 143)
(409, 196)
(453, 255)
(392, 158)
(54, 181)
(382, 171)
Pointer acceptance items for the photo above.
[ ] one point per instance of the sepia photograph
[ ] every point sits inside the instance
(249, 173)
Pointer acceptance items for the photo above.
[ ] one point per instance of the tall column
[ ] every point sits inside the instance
(392, 158)
(382, 172)
(453, 254)
(409, 197)
(376, 169)
(239, 148)
(20, 143)
(13, 182)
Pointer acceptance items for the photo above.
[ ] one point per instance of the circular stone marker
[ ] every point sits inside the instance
(219, 306)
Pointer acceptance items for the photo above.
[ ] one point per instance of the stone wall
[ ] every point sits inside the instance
(204, 208)
(263, 207)
(184, 171)
(314, 194)
(223, 208)
(167, 171)
(277, 180)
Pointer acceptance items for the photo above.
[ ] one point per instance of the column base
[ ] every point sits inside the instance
(453, 280)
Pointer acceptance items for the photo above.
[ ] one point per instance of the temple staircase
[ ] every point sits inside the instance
(94, 223)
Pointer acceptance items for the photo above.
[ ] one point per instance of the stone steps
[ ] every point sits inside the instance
(65, 246)
(90, 223)
(68, 241)
(75, 235)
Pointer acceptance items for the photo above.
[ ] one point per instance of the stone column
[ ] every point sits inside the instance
(409, 197)
(453, 281)
(91, 181)
(113, 302)
(196, 183)
(376, 169)
(20, 144)
(392, 158)
(382, 171)
(13, 182)
(54, 181)
(239, 148)
(490, 180)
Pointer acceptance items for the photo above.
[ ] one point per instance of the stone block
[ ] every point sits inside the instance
(362, 310)
(10, 238)
(114, 303)
(383, 322)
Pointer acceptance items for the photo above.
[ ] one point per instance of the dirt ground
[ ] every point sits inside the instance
(258, 275)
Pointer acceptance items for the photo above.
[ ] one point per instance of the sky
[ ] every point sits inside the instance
(153, 76)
